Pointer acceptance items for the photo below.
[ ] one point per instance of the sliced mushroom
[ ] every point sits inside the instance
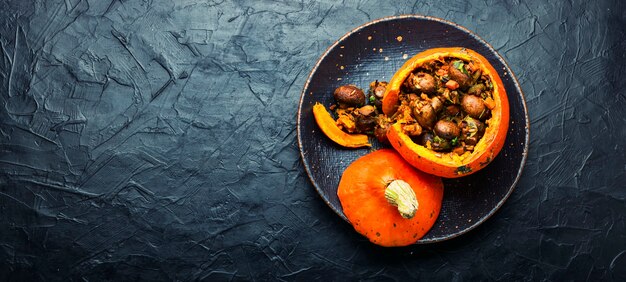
(436, 103)
(367, 110)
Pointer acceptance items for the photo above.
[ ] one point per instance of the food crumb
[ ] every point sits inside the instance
(341, 67)
(386, 58)
(342, 46)
(405, 56)
(338, 78)
(399, 38)
(374, 49)
(369, 37)
(380, 50)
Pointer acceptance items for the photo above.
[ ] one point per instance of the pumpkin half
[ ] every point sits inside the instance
(449, 164)
(387, 200)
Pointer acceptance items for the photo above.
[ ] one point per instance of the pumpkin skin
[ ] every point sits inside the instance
(329, 127)
(362, 195)
(450, 165)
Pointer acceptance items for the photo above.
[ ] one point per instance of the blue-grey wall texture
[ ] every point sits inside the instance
(156, 140)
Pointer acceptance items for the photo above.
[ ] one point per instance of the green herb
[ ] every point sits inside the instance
(457, 64)
(455, 141)
(372, 99)
(437, 140)
(460, 66)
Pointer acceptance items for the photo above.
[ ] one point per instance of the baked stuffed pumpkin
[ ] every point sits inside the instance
(450, 112)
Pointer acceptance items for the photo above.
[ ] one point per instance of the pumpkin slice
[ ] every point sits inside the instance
(450, 164)
(387, 200)
(328, 125)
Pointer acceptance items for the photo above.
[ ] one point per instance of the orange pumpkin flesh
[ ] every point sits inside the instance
(362, 195)
(327, 124)
(450, 165)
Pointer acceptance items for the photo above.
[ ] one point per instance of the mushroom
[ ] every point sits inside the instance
(430, 141)
(456, 72)
(474, 106)
(424, 114)
(422, 82)
(365, 124)
(367, 110)
(436, 103)
(453, 110)
(349, 96)
(379, 91)
(425, 138)
(472, 130)
(447, 129)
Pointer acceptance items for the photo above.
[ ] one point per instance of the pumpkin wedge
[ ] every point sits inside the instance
(387, 200)
(328, 125)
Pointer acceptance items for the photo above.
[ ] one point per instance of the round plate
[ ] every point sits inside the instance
(374, 51)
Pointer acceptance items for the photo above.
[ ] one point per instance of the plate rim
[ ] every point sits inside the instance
(482, 41)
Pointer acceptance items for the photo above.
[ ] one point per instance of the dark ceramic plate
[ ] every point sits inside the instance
(375, 51)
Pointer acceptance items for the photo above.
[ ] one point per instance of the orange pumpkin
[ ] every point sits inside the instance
(450, 165)
(387, 200)
(328, 125)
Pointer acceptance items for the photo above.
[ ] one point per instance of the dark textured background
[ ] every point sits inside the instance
(156, 140)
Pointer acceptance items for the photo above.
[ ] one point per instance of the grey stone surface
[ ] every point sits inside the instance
(155, 140)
